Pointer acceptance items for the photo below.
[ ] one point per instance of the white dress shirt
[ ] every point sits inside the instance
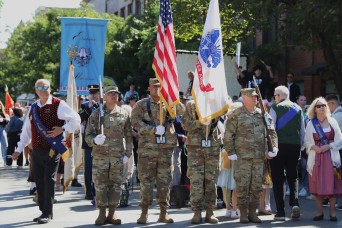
(64, 112)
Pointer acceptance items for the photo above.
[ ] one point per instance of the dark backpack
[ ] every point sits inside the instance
(179, 194)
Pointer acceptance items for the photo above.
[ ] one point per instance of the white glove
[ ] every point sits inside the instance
(273, 153)
(232, 157)
(125, 159)
(160, 130)
(99, 139)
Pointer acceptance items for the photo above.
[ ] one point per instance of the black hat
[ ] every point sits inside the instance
(181, 96)
(258, 67)
(133, 97)
(93, 89)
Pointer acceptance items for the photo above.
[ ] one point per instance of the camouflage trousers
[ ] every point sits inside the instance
(107, 177)
(154, 166)
(248, 176)
(203, 171)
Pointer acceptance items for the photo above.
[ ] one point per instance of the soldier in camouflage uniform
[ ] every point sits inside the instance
(111, 149)
(245, 138)
(203, 164)
(154, 158)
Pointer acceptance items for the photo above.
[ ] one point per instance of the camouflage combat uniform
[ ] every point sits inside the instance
(108, 158)
(203, 162)
(245, 137)
(154, 160)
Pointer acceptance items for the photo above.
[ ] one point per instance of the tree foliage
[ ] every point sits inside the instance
(33, 51)
(34, 48)
(317, 24)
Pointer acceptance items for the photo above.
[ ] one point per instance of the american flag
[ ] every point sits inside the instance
(164, 61)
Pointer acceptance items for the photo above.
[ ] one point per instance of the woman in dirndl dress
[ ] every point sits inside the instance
(323, 139)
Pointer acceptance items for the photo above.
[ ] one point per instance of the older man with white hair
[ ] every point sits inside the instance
(289, 124)
(48, 118)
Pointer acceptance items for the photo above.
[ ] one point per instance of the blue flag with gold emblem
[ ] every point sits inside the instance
(83, 43)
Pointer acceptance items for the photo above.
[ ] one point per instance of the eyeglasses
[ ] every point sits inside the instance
(40, 88)
(321, 105)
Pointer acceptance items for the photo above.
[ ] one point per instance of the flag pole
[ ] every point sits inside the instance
(206, 134)
(161, 114)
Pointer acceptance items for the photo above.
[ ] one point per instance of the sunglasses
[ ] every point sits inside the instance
(321, 105)
(40, 88)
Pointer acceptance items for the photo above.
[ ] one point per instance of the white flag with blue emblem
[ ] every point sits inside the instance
(209, 87)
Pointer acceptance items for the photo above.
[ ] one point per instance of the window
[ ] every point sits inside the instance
(129, 9)
(137, 7)
(122, 12)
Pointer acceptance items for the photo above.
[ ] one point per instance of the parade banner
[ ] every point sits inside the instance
(209, 87)
(83, 42)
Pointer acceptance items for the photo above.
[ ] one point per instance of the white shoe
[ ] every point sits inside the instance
(302, 192)
(235, 214)
(228, 213)
(310, 197)
(287, 192)
(268, 208)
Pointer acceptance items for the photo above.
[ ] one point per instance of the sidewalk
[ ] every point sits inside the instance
(17, 209)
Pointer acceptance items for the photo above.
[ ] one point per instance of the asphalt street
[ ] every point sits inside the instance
(17, 209)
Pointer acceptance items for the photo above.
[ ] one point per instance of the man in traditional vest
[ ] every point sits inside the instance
(85, 111)
(289, 124)
(48, 118)
(156, 141)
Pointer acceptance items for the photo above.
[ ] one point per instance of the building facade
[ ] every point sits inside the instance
(122, 8)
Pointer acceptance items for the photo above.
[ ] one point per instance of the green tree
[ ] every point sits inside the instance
(314, 25)
(33, 50)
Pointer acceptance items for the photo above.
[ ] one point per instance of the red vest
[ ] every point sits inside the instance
(48, 117)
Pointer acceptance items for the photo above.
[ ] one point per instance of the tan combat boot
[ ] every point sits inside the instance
(112, 218)
(210, 217)
(163, 216)
(243, 214)
(101, 219)
(252, 216)
(143, 216)
(197, 218)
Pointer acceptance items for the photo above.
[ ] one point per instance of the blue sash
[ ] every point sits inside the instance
(321, 135)
(56, 142)
(282, 121)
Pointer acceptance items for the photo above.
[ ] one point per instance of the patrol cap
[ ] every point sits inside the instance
(93, 89)
(154, 81)
(249, 92)
(108, 89)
